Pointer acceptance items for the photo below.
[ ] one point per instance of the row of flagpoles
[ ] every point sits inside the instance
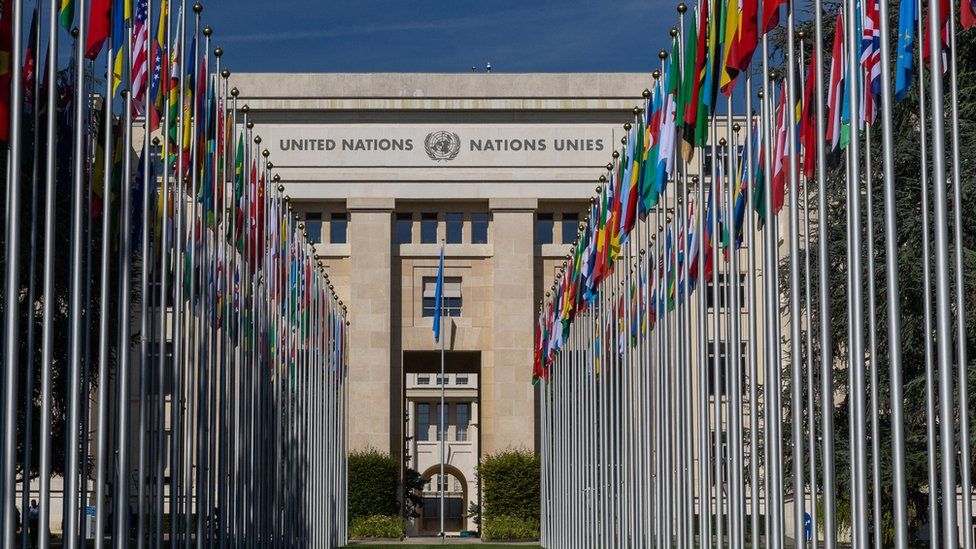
(187, 384)
(676, 417)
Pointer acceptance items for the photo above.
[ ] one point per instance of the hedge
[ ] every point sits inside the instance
(377, 526)
(373, 478)
(510, 494)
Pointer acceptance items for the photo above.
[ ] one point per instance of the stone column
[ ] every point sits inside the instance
(370, 389)
(508, 419)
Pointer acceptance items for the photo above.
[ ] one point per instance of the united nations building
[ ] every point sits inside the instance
(384, 168)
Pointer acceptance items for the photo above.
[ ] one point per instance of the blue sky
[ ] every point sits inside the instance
(440, 35)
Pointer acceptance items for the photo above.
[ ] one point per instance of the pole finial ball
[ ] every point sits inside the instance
(265, 153)
(208, 30)
(270, 166)
(234, 92)
(609, 165)
(673, 32)
(616, 154)
(695, 179)
(276, 177)
(647, 93)
(155, 141)
(636, 111)
(760, 94)
(245, 108)
(281, 188)
(663, 55)
(225, 73)
(801, 35)
(623, 139)
(627, 124)
(682, 8)
(198, 7)
(74, 32)
(656, 74)
(250, 125)
(736, 127)
(257, 139)
(722, 142)
(603, 179)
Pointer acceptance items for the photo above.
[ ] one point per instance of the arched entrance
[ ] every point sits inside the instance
(455, 501)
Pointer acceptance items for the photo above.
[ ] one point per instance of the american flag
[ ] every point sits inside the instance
(140, 56)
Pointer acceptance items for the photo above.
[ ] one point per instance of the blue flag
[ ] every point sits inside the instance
(439, 297)
(904, 70)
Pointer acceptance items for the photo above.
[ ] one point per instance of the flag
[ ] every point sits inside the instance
(729, 72)
(66, 14)
(770, 15)
(99, 26)
(6, 66)
(905, 69)
(835, 91)
(648, 190)
(944, 34)
(870, 60)
(439, 297)
(140, 56)
(747, 40)
(781, 152)
(967, 13)
(121, 15)
(30, 65)
(159, 83)
(808, 122)
(713, 66)
(688, 108)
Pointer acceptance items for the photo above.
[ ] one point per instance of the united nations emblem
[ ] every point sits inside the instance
(441, 145)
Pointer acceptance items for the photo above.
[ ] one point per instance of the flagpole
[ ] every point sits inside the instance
(12, 282)
(440, 325)
(950, 535)
(752, 307)
(960, 305)
(872, 343)
(47, 304)
(824, 297)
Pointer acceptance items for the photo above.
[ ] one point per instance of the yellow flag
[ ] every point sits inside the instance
(732, 18)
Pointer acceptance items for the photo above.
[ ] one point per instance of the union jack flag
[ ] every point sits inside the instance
(870, 60)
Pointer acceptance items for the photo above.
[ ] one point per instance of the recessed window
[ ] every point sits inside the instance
(423, 380)
(723, 292)
(441, 421)
(428, 228)
(479, 228)
(441, 380)
(313, 224)
(461, 380)
(723, 368)
(461, 421)
(543, 228)
(423, 421)
(404, 228)
(455, 223)
(451, 299)
(338, 226)
(570, 226)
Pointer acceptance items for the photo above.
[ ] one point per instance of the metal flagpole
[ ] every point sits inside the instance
(12, 283)
(960, 305)
(102, 452)
(76, 311)
(441, 415)
(826, 351)
(47, 303)
(950, 535)
(753, 337)
(872, 343)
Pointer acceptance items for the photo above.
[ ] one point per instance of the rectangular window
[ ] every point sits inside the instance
(313, 224)
(337, 228)
(461, 380)
(428, 228)
(455, 224)
(423, 380)
(479, 228)
(723, 369)
(451, 303)
(423, 422)
(404, 228)
(570, 227)
(724, 297)
(441, 380)
(543, 228)
(441, 425)
(461, 421)
(166, 366)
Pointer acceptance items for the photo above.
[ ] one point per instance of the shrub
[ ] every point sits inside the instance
(511, 484)
(377, 526)
(507, 527)
(373, 478)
